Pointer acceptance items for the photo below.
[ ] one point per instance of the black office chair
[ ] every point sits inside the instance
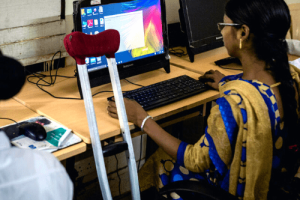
(201, 190)
(188, 190)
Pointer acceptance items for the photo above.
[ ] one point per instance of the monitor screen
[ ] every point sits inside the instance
(138, 22)
(143, 35)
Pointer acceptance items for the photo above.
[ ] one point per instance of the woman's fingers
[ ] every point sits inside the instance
(210, 84)
(112, 109)
(210, 71)
(111, 103)
(209, 76)
(212, 78)
(113, 115)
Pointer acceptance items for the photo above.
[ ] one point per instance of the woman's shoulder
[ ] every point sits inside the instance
(237, 78)
(256, 92)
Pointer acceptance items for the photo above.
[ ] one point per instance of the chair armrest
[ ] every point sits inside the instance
(200, 188)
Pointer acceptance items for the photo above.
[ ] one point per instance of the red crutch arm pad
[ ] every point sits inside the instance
(80, 45)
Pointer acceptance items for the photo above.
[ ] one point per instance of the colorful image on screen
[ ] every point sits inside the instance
(152, 26)
(138, 22)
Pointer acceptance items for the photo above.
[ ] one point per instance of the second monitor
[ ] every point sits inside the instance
(199, 23)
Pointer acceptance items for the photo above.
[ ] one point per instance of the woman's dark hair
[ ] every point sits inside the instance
(12, 77)
(269, 22)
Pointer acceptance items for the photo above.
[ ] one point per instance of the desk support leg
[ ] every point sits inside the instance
(91, 117)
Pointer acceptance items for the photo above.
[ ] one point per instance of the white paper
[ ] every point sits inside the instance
(293, 47)
(296, 63)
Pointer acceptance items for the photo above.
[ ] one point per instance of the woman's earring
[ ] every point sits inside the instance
(241, 44)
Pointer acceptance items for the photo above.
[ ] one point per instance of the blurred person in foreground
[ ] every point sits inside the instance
(24, 173)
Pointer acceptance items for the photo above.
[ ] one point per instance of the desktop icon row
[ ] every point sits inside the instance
(90, 11)
(91, 23)
(93, 60)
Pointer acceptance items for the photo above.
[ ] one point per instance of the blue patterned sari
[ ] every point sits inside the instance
(247, 148)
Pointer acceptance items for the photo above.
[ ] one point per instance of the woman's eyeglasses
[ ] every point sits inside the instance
(222, 25)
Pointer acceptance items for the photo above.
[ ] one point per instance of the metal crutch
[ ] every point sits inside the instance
(75, 43)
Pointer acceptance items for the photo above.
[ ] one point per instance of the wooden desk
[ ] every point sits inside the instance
(72, 113)
(18, 112)
(204, 62)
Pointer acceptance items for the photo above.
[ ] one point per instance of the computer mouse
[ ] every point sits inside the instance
(33, 130)
(204, 80)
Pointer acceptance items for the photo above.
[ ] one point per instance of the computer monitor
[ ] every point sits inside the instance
(199, 23)
(143, 35)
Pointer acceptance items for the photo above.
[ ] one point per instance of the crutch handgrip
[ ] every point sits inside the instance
(80, 45)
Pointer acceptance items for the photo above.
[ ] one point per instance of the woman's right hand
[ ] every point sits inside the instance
(212, 78)
(135, 112)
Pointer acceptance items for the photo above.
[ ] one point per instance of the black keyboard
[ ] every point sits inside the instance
(166, 92)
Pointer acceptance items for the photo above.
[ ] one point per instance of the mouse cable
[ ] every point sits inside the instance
(122, 91)
(70, 98)
(41, 77)
(177, 52)
(118, 174)
(10, 120)
(133, 83)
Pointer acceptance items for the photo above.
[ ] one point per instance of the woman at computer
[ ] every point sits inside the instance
(245, 143)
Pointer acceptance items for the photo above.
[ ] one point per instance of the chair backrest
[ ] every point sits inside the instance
(295, 15)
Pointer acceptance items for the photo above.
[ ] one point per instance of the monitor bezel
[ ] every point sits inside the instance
(101, 76)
